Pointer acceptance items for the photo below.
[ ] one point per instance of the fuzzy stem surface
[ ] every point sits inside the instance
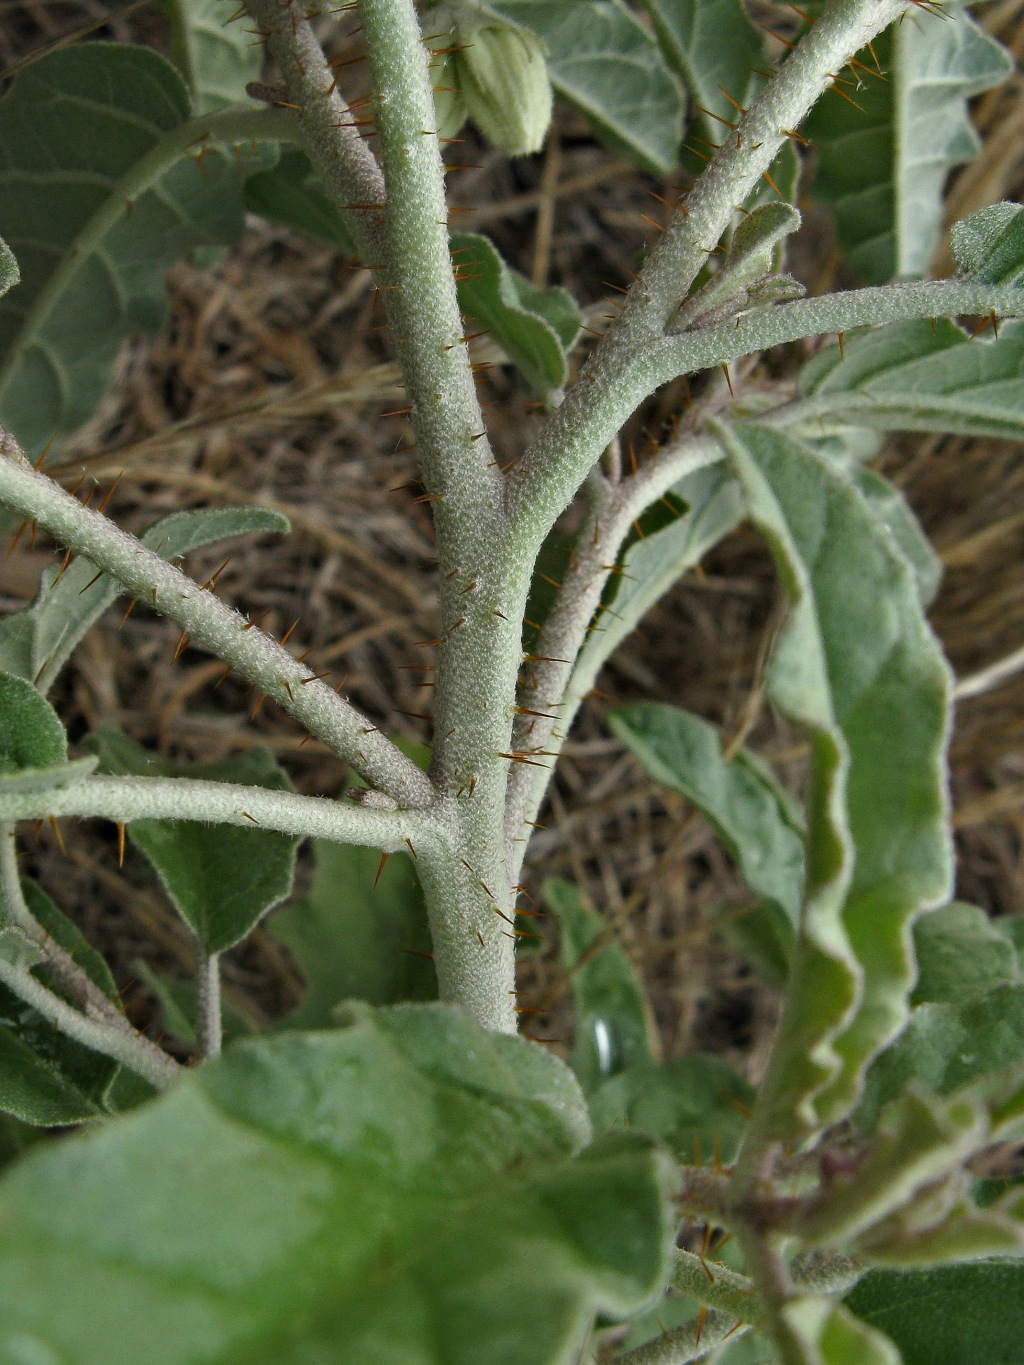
(207, 621)
(545, 480)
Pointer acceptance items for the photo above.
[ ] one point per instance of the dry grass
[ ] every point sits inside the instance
(266, 385)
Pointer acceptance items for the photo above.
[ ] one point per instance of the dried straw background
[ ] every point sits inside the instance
(267, 384)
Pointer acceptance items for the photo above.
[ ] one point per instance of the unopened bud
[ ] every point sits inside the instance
(503, 75)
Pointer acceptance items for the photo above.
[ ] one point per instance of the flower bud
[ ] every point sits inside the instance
(449, 101)
(503, 76)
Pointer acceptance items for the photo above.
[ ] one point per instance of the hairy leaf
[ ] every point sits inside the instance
(604, 61)
(612, 1026)
(356, 938)
(951, 1315)
(221, 879)
(859, 669)
(534, 327)
(31, 735)
(754, 817)
(882, 166)
(100, 194)
(407, 1187)
(947, 1045)
(961, 954)
(216, 59)
(9, 272)
(892, 509)
(918, 376)
(697, 1105)
(46, 1079)
(989, 246)
(713, 47)
(830, 1335)
(745, 270)
(37, 641)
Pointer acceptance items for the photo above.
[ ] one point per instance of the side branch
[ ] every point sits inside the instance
(97, 1022)
(555, 687)
(332, 131)
(124, 799)
(546, 479)
(207, 621)
(572, 437)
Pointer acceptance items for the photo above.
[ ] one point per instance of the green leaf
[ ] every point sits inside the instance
(291, 194)
(46, 1079)
(37, 641)
(859, 669)
(745, 271)
(221, 879)
(892, 509)
(831, 1335)
(602, 60)
(762, 935)
(356, 941)
(961, 954)
(9, 272)
(406, 1188)
(697, 1105)
(882, 167)
(952, 1315)
(216, 59)
(99, 196)
(712, 46)
(31, 735)
(649, 567)
(534, 327)
(919, 1140)
(918, 376)
(612, 1027)
(948, 1045)
(61, 775)
(753, 816)
(989, 246)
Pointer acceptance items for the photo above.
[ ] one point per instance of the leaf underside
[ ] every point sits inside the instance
(859, 669)
(882, 167)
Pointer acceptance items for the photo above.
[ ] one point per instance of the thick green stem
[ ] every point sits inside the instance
(483, 574)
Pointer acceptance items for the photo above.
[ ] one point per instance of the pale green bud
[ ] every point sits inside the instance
(449, 102)
(503, 74)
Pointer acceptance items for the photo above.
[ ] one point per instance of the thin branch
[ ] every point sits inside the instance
(994, 675)
(331, 129)
(545, 480)
(208, 1012)
(124, 799)
(556, 686)
(207, 621)
(695, 1340)
(645, 367)
(97, 1010)
(99, 1025)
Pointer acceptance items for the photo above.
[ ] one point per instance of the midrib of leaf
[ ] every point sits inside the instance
(144, 177)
